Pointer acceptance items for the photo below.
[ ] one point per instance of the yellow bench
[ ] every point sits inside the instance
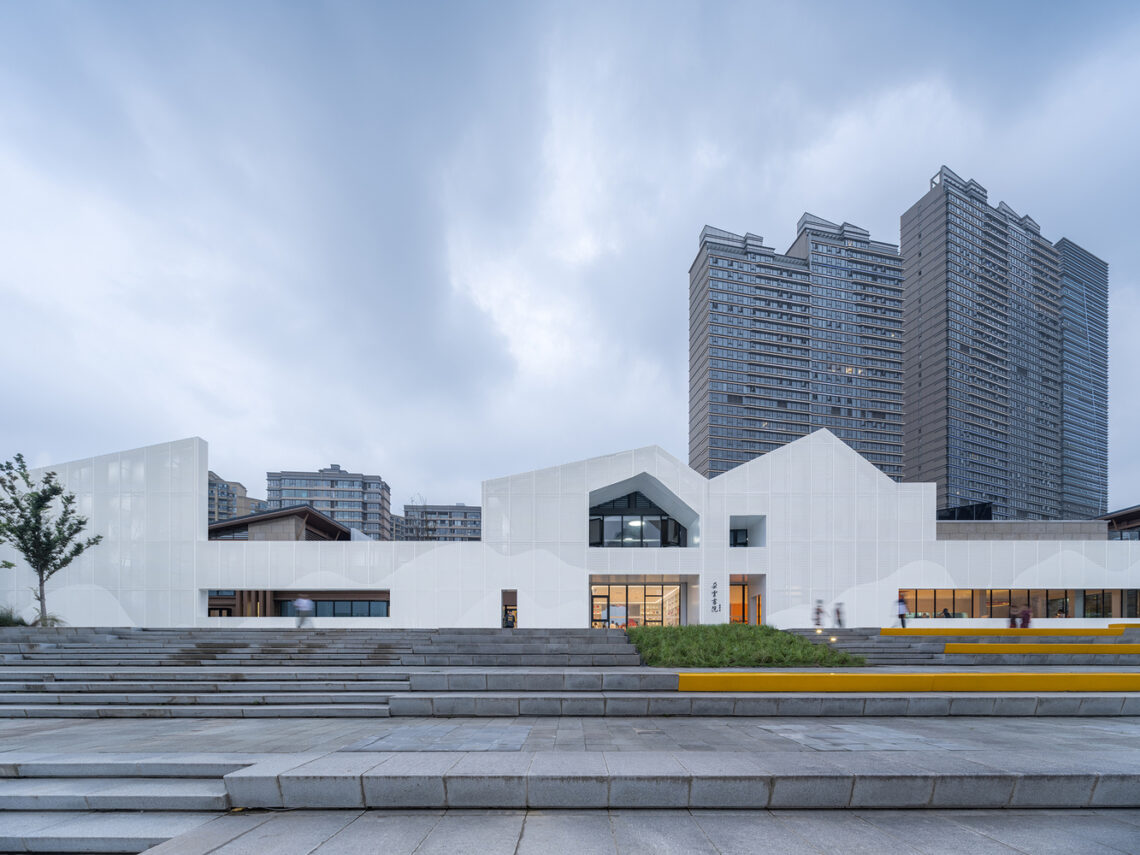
(1029, 647)
(831, 681)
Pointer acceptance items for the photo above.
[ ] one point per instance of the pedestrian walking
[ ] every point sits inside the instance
(839, 615)
(902, 607)
(303, 606)
(817, 614)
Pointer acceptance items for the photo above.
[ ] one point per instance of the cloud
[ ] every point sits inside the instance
(444, 250)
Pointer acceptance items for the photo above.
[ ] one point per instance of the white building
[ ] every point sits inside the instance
(819, 523)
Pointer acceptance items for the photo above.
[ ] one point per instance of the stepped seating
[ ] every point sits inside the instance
(958, 646)
(317, 647)
(203, 673)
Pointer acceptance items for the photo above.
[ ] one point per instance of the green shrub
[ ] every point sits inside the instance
(8, 617)
(732, 646)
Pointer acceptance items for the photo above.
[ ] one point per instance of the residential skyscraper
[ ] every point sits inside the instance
(986, 364)
(362, 502)
(1084, 389)
(780, 345)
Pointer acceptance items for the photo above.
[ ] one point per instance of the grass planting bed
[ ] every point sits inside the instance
(732, 646)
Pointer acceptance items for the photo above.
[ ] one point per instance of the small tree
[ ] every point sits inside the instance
(47, 541)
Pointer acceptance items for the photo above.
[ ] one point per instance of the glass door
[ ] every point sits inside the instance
(600, 611)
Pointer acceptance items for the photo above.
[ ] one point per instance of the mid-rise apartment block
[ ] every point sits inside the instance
(783, 344)
(229, 499)
(458, 522)
(362, 502)
(1006, 359)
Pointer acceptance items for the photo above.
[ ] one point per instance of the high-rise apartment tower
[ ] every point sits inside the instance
(780, 345)
(1006, 358)
(1084, 386)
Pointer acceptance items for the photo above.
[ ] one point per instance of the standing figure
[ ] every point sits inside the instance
(817, 614)
(902, 611)
(839, 615)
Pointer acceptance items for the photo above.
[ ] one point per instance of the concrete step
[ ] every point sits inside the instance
(690, 779)
(157, 696)
(636, 704)
(105, 831)
(47, 794)
(17, 764)
(325, 710)
(189, 686)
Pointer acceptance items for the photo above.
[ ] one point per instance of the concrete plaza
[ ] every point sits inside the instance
(644, 784)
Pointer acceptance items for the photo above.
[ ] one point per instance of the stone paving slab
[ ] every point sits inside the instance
(618, 832)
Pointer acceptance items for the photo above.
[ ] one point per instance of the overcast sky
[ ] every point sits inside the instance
(446, 242)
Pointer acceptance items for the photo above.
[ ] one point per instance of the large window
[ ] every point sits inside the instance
(634, 521)
(339, 608)
(1002, 602)
(635, 605)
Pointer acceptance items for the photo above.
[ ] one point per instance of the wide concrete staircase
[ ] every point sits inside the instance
(984, 647)
(113, 647)
(110, 803)
(125, 673)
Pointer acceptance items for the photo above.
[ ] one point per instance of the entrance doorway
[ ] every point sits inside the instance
(599, 611)
(510, 601)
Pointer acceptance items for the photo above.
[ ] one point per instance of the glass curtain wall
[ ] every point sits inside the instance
(1003, 602)
(634, 521)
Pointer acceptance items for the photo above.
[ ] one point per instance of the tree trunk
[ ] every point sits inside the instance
(43, 604)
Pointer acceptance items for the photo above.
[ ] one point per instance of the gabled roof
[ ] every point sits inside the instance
(313, 519)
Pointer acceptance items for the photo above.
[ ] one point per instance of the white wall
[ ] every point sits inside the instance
(837, 530)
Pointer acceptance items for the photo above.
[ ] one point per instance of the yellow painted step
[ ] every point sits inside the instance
(831, 681)
(1107, 649)
(983, 631)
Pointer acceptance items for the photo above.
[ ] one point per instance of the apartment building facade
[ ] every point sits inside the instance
(358, 501)
(783, 344)
(996, 386)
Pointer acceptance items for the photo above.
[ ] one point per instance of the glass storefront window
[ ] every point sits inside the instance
(738, 603)
(635, 603)
(1058, 603)
(925, 603)
(963, 603)
(999, 604)
(943, 603)
(631, 531)
(1038, 603)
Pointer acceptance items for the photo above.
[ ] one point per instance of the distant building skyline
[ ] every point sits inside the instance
(783, 344)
